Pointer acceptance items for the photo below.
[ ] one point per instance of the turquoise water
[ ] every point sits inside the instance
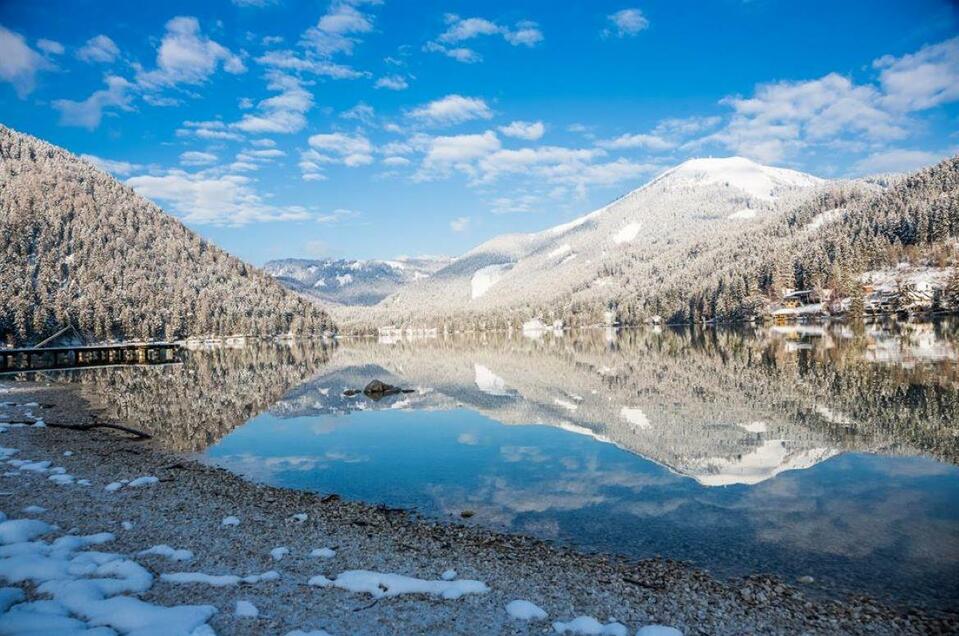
(884, 526)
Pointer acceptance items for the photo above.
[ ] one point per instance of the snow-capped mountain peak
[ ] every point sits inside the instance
(584, 259)
(757, 180)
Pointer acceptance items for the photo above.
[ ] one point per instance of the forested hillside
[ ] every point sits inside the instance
(79, 247)
(823, 238)
(824, 243)
(501, 279)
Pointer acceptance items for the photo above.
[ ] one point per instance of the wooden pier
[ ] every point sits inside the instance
(86, 356)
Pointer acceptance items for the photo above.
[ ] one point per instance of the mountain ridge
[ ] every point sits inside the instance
(82, 248)
(682, 203)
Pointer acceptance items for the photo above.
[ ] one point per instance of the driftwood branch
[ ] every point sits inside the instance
(87, 427)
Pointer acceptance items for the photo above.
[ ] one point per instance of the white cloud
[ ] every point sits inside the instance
(99, 48)
(396, 162)
(263, 143)
(212, 199)
(207, 130)
(254, 3)
(460, 224)
(681, 127)
(186, 56)
(530, 131)
(51, 47)
(19, 64)
(350, 150)
(832, 113)
(465, 29)
(89, 112)
(581, 177)
(452, 109)
(337, 216)
(522, 204)
(196, 158)
(639, 140)
(923, 79)
(361, 112)
(896, 160)
(523, 33)
(626, 23)
(335, 31)
(288, 60)
(526, 33)
(457, 151)
(392, 82)
(459, 53)
(119, 168)
(540, 160)
(783, 117)
(265, 154)
(282, 113)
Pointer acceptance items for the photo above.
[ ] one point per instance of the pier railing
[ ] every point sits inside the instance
(83, 356)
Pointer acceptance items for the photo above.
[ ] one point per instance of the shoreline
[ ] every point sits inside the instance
(186, 505)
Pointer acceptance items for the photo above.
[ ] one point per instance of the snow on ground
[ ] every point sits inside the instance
(627, 233)
(754, 427)
(166, 551)
(761, 182)
(525, 611)
(534, 328)
(34, 510)
(486, 277)
(448, 575)
(825, 217)
(246, 609)
(381, 584)
(589, 626)
(323, 553)
(81, 590)
(279, 553)
(658, 630)
(147, 480)
(230, 521)
(636, 417)
(217, 580)
(559, 251)
(566, 404)
(745, 213)
(488, 382)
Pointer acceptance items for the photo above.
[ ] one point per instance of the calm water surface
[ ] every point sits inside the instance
(797, 451)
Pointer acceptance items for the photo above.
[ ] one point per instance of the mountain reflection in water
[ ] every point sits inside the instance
(822, 451)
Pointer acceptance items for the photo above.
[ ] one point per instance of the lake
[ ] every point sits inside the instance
(804, 451)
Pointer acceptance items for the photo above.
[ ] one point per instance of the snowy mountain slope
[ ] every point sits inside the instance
(352, 282)
(578, 259)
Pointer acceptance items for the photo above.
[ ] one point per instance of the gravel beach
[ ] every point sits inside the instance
(102, 481)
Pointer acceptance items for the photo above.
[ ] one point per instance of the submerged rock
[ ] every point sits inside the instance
(376, 387)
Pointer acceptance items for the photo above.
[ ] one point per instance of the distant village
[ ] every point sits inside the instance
(906, 290)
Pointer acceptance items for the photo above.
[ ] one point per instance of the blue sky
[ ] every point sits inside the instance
(378, 129)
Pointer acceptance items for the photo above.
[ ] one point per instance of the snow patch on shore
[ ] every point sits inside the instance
(168, 552)
(85, 591)
(590, 626)
(525, 611)
(381, 584)
(217, 580)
